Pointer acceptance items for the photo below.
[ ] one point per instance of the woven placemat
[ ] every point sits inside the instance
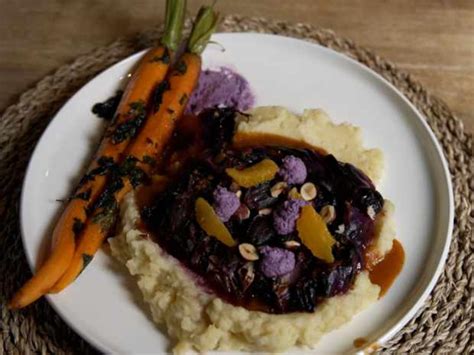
(443, 325)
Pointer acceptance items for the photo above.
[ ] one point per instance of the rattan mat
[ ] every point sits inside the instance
(443, 325)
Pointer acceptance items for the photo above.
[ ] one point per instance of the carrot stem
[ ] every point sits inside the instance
(174, 20)
(206, 22)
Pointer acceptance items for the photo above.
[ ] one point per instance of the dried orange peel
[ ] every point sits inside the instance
(314, 234)
(208, 220)
(264, 170)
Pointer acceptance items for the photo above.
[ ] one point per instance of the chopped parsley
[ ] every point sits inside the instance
(183, 99)
(105, 207)
(165, 58)
(86, 259)
(77, 227)
(180, 68)
(130, 169)
(158, 93)
(149, 160)
(106, 109)
(85, 195)
(129, 128)
(104, 163)
(106, 218)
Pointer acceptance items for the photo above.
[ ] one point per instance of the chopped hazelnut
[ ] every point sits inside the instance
(265, 211)
(308, 191)
(248, 251)
(328, 213)
(278, 188)
(292, 244)
(371, 212)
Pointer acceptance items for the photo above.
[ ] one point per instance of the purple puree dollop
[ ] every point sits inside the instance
(285, 216)
(220, 87)
(225, 203)
(276, 261)
(293, 170)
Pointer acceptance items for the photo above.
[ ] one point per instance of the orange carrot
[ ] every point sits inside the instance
(130, 115)
(142, 153)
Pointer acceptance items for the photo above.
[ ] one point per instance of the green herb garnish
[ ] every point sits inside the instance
(165, 58)
(158, 93)
(105, 164)
(180, 68)
(77, 227)
(129, 128)
(183, 99)
(130, 169)
(149, 160)
(85, 195)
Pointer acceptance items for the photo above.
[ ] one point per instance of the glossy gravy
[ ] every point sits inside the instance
(360, 342)
(243, 140)
(384, 272)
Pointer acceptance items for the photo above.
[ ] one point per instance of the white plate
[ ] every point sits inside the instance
(102, 305)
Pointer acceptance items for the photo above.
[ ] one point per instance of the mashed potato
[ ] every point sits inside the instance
(201, 321)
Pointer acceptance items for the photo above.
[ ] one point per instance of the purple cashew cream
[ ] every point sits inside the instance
(226, 203)
(293, 170)
(276, 261)
(285, 216)
(221, 87)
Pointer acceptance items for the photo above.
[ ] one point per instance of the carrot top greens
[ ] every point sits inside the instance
(206, 23)
(174, 19)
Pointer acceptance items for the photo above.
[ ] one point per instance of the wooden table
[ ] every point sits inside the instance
(433, 40)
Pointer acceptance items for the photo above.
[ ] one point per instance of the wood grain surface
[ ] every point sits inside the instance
(433, 40)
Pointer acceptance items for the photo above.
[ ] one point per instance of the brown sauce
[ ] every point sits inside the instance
(243, 140)
(360, 342)
(384, 272)
(372, 348)
(146, 193)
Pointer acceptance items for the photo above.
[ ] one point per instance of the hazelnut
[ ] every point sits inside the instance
(278, 188)
(328, 213)
(265, 211)
(371, 212)
(248, 251)
(242, 212)
(308, 191)
(292, 244)
(340, 229)
(249, 275)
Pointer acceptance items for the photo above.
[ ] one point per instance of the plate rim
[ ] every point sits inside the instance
(446, 185)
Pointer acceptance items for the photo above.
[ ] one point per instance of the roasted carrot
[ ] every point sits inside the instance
(130, 115)
(141, 156)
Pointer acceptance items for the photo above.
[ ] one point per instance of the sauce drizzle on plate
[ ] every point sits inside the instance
(360, 342)
(386, 270)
